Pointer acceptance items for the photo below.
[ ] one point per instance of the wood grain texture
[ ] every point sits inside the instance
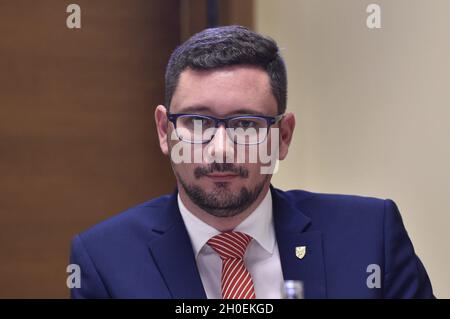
(77, 136)
(194, 15)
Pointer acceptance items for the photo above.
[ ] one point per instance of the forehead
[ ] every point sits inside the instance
(224, 91)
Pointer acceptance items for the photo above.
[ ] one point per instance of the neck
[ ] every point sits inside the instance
(222, 224)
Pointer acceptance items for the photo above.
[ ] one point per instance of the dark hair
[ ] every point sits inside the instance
(226, 46)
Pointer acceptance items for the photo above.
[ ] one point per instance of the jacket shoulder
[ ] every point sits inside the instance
(131, 222)
(337, 201)
(337, 208)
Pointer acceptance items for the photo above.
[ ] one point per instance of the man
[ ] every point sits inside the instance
(226, 232)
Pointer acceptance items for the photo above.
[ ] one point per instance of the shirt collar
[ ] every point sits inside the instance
(259, 225)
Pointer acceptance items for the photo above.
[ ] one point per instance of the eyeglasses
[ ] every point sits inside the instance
(242, 129)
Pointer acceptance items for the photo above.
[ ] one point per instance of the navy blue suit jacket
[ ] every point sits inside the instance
(146, 252)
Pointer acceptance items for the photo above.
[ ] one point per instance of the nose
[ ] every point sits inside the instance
(221, 148)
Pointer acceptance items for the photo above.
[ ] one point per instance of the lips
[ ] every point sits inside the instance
(221, 177)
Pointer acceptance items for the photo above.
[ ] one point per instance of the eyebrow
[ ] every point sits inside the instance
(202, 109)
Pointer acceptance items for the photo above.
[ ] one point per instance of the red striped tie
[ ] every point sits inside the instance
(236, 280)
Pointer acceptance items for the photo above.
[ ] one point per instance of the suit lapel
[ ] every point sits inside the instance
(173, 253)
(291, 229)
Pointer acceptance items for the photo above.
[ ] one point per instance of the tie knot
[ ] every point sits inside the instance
(230, 245)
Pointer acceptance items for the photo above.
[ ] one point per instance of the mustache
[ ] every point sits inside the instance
(220, 167)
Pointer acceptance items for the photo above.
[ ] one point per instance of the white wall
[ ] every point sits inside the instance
(372, 108)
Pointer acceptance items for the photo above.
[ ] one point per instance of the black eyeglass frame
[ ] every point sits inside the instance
(271, 120)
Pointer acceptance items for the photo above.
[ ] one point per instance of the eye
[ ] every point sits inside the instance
(246, 123)
(192, 121)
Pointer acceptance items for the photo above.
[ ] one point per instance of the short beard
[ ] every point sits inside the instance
(220, 201)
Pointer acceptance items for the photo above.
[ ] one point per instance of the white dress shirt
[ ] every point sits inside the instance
(262, 258)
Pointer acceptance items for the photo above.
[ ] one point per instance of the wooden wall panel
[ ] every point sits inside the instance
(77, 138)
(236, 12)
(194, 15)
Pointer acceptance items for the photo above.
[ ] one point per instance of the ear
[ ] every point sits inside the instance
(287, 126)
(162, 126)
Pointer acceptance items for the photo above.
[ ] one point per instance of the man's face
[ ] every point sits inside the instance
(221, 189)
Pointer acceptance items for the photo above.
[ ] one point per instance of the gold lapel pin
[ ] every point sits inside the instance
(300, 252)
